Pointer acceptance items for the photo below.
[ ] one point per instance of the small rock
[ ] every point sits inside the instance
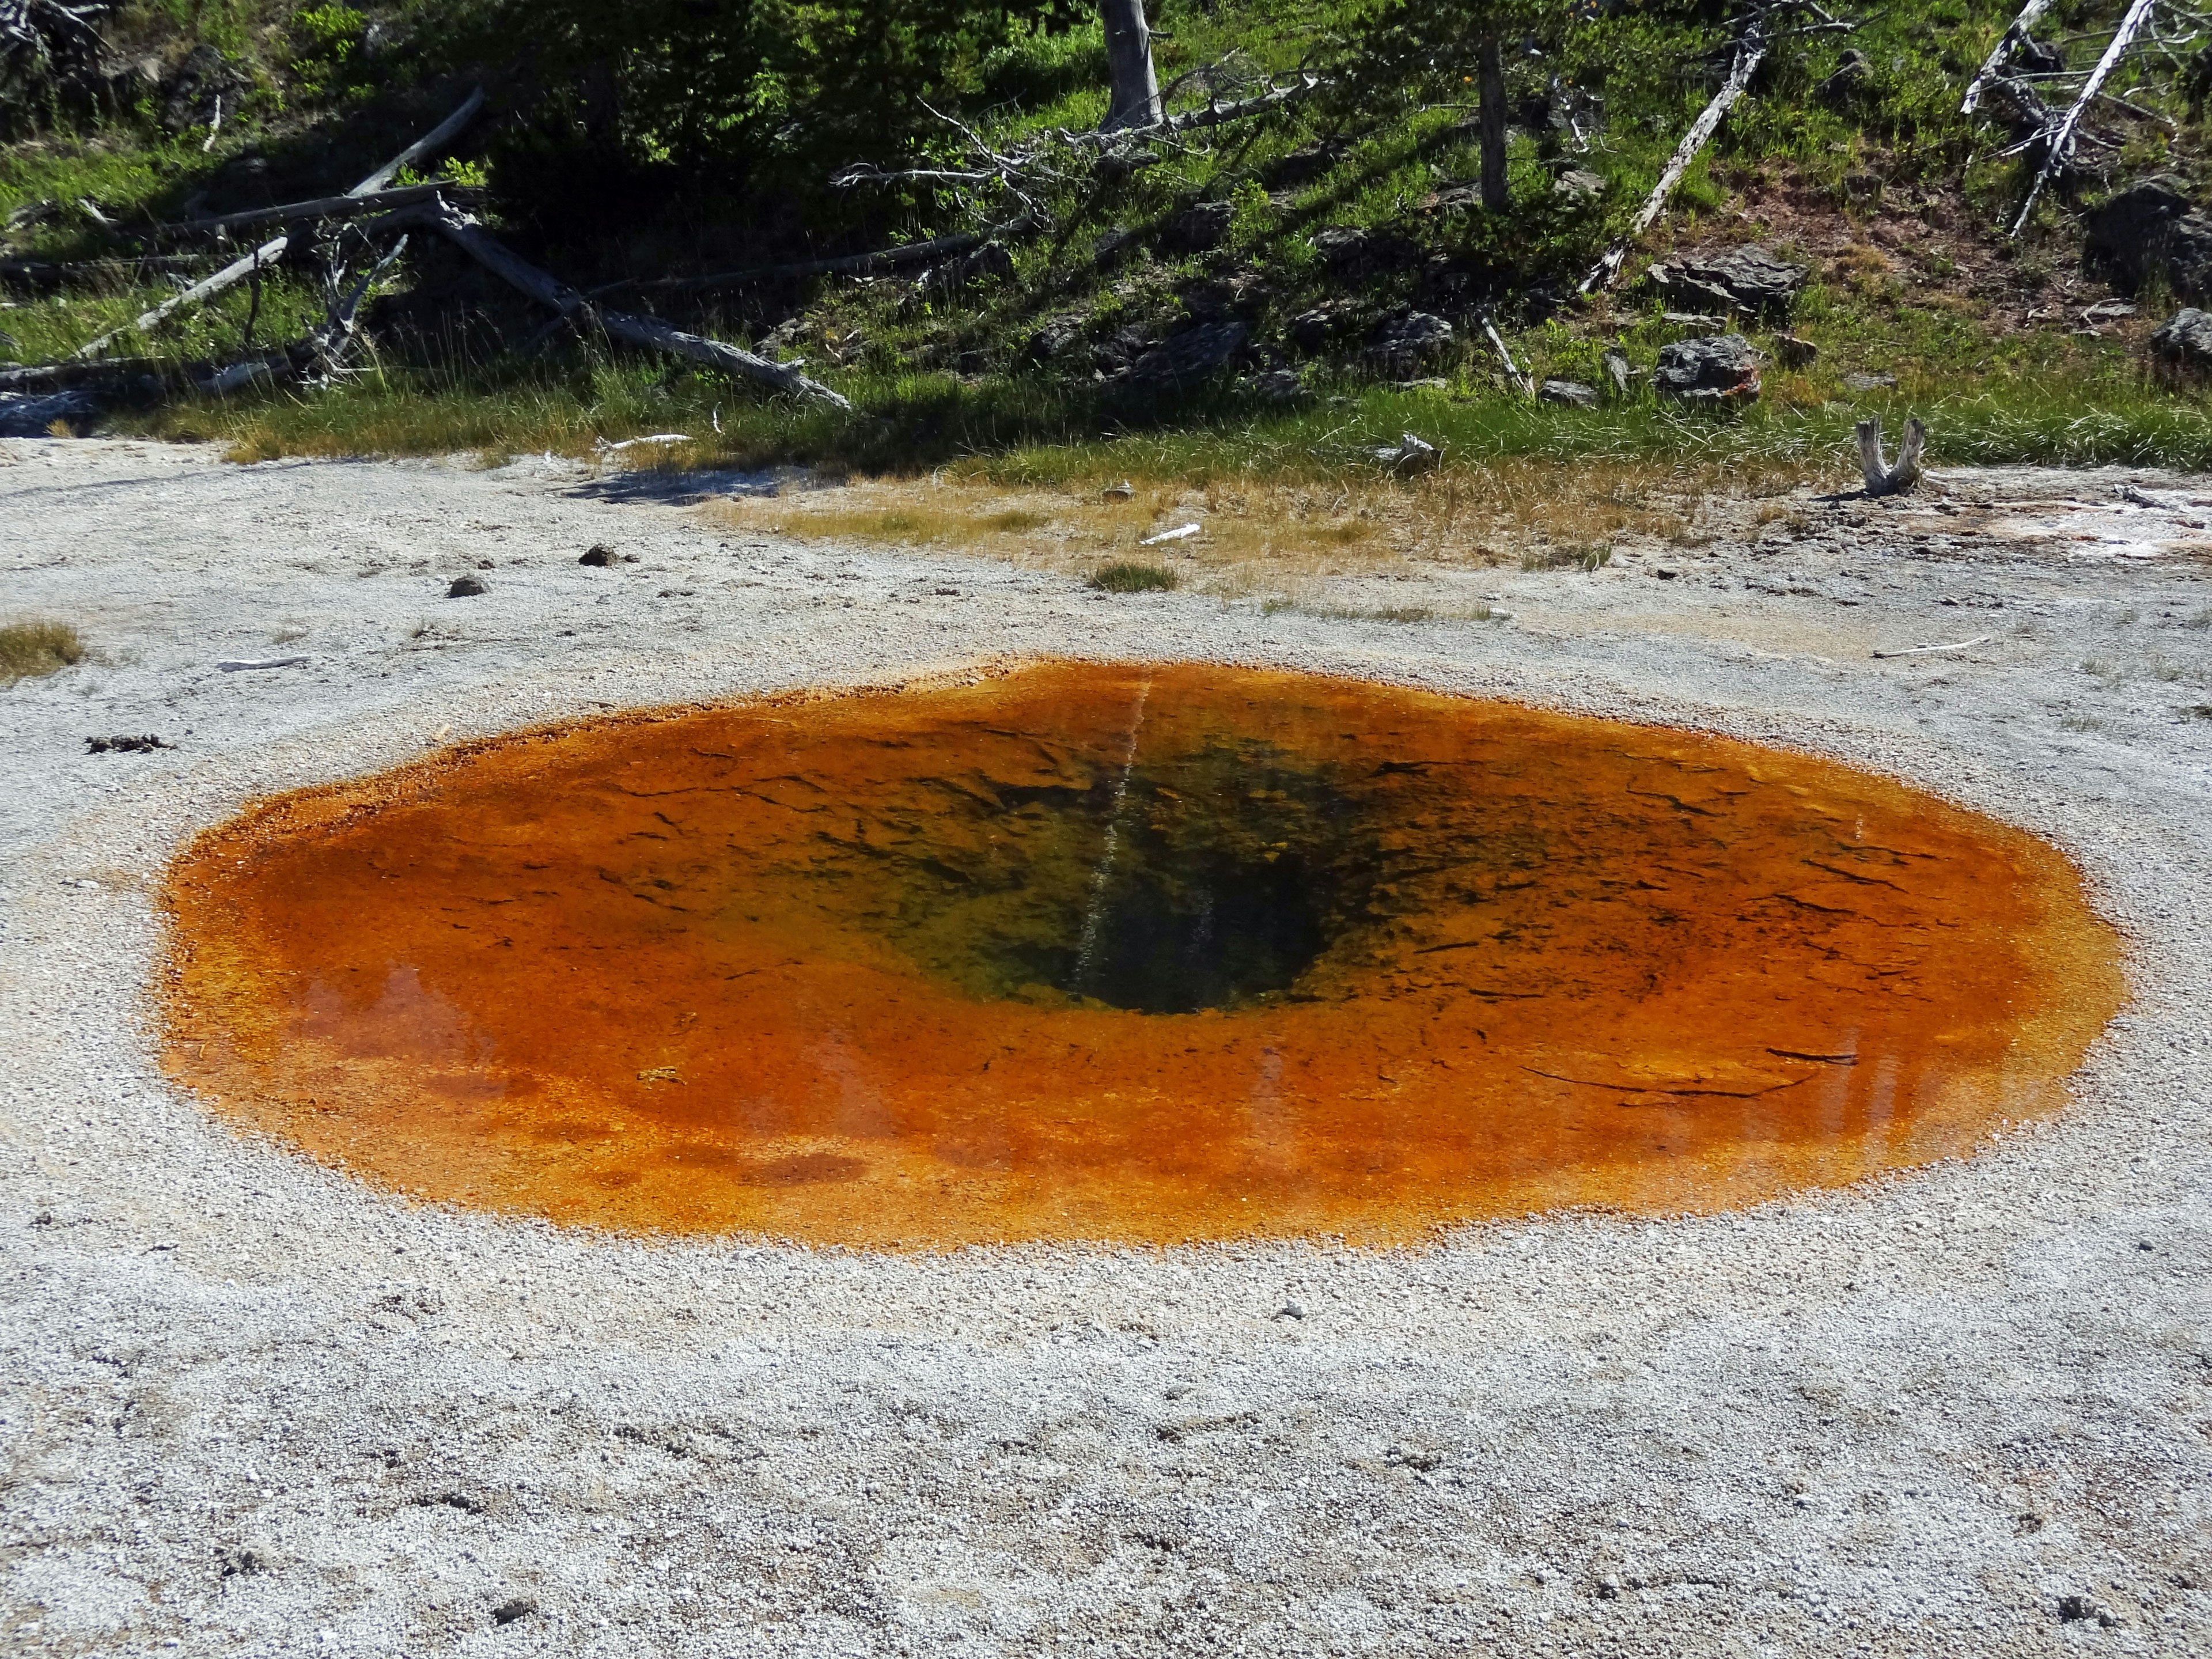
(1311, 330)
(466, 587)
(1054, 339)
(2107, 311)
(1115, 246)
(1865, 382)
(1721, 368)
(2186, 338)
(508, 1612)
(1291, 1311)
(1700, 320)
(33, 415)
(1752, 279)
(990, 260)
(1123, 491)
(599, 556)
(1405, 343)
(1569, 394)
(1279, 386)
(2074, 1609)
(1665, 572)
(1792, 352)
(125, 745)
(2152, 230)
(1579, 185)
(1200, 226)
(1617, 370)
(1192, 355)
(1409, 454)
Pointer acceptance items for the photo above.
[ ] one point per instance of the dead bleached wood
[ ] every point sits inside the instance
(1927, 650)
(65, 376)
(429, 144)
(495, 256)
(2061, 148)
(320, 356)
(323, 207)
(236, 271)
(1497, 342)
(1882, 478)
(2001, 54)
(274, 250)
(1750, 51)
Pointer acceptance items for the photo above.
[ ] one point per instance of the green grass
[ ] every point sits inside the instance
(1989, 391)
(1128, 576)
(37, 647)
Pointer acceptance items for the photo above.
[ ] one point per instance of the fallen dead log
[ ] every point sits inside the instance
(495, 256)
(326, 207)
(69, 374)
(1520, 376)
(321, 354)
(1750, 51)
(273, 250)
(2060, 150)
(2001, 54)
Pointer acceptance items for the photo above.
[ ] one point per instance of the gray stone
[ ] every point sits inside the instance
(2186, 338)
(1349, 251)
(1752, 279)
(1192, 355)
(1204, 225)
(466, 587)
(1579, 185)
(1570, 394)
(33, 415)
(1054, 339)
(2152, 230)
(1719, 369)
(1408, 342)
(1617, 370)
(1860, 381)
(1792, 352)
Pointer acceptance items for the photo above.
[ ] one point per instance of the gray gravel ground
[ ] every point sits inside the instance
(251, 1407)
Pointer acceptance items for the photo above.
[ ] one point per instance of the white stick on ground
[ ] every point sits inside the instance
(2062, 142)
(1520, 378)
(1923, 650)
(273, 250)
(2001, 54)
(1750, 49)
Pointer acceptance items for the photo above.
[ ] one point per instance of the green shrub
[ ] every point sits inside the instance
(1131, 577)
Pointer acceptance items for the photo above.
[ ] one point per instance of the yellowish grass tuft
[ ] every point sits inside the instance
(37, 647)
(1269, 534)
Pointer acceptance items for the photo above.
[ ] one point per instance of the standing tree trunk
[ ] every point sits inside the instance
(1136, 101)
(1491, 69)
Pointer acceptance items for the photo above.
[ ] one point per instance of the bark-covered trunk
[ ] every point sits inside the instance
(1136, 100)
(1490, 67)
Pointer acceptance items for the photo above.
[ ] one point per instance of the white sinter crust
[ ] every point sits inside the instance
(252, 1408)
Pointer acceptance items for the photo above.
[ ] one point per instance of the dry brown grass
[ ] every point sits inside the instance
(1264, 534)
(37, 647)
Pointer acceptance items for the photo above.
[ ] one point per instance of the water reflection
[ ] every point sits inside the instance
(1148, 952)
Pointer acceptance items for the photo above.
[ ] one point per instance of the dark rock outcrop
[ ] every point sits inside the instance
(1409, 342)
(2184, 340)
(1749, 279)
(2152, 230)
(1719, 369)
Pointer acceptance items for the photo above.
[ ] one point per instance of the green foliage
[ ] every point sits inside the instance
(1128, 576)
(750, 89)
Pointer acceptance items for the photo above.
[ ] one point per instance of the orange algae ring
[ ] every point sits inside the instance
(1124, 952)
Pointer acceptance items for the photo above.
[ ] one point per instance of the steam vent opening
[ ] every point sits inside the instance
(1124, 952)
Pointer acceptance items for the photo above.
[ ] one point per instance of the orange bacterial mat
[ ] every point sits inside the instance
(1124, 952)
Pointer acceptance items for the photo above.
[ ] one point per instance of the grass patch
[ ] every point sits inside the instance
(1128, 576)
(35, 648)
